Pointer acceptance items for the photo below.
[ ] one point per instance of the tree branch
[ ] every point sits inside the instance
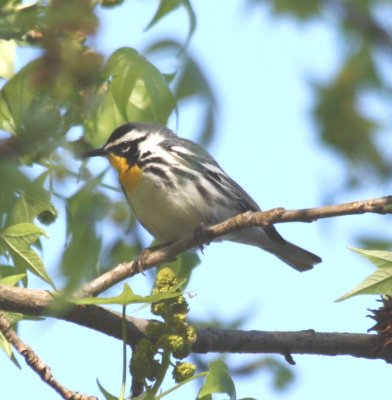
(151, 258)
(36, 364)
(37, 302)
(287, 343)
(42, 303)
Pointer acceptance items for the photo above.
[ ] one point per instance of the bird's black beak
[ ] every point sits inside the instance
(94, 153)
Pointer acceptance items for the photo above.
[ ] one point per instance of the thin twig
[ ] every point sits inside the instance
(149, 259)
(36, 364)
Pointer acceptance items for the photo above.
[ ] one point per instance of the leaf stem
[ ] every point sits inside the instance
(163, 394)
(124, 352)
(162, 373)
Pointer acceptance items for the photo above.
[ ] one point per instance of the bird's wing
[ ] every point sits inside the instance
(197, 158)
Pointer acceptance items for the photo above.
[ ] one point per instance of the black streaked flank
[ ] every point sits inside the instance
(203, 191)
(215, 179)
(152, 160)
(183, 174)
(160, 173)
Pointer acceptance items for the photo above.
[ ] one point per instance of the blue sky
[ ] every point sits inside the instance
(260, 68)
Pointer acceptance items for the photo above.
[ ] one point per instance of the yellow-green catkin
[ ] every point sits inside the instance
(174, 335)
(183, 371)
(143, 364)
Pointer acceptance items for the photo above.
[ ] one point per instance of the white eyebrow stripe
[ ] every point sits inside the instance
(128, 137)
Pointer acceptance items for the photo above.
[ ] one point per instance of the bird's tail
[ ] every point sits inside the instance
(270, 240)
(295, 256)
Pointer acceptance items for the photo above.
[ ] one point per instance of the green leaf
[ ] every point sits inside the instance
(7, 57)
(6, 270)
(247, 398)
(105, 119)
(344, 125)
(139, 89)
(22, 235)
(85, 208)
(380, 281)
(380, 258)
(12, 180)
(34, 202)
(134, 91)
(167, 6)
(14, 318)
(218, 380)
(16, 98)
(12, 280)
(31, 114)
(105, 393)
(126, 297)
(146, 395)
(120, 250)
(19, 239)
(192, 82)
(302, 10)
(17, 19)
(7, 348)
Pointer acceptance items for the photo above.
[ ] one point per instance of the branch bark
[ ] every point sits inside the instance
(37, 302)
(151, 258)
(36, 364)
(288, 343)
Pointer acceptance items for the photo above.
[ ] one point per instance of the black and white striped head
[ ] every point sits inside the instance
(131, 140)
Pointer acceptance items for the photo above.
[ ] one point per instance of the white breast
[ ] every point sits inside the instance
(166, 213)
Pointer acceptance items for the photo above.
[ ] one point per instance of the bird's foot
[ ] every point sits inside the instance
(200, 232)
(145, 254)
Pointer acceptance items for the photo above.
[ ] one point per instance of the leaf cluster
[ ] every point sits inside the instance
(380, 281)
(65, 98)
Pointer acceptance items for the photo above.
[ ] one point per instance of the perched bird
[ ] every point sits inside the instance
(173, 186)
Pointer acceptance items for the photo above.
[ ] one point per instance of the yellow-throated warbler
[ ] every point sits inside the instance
(173, 185)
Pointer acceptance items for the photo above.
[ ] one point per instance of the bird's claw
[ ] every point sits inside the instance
(200, 232)
(141, 259)
(144, 255)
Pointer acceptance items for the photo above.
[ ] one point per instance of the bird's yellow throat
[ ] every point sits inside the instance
(129, 174)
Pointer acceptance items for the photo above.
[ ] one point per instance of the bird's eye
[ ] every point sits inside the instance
(125, 149)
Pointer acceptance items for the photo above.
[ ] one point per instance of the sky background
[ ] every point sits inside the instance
(260, 69)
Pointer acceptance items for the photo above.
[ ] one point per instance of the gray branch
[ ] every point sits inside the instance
(37, 302)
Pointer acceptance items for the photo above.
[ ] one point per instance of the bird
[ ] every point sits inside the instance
(174, 186)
